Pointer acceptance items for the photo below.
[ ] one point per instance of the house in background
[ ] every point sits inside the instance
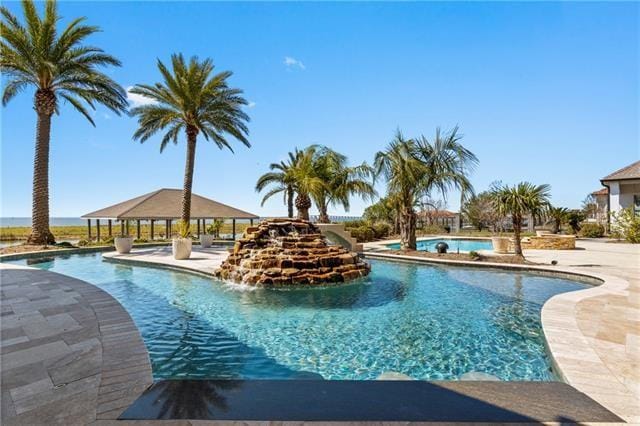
(623, 189)
(598, 207)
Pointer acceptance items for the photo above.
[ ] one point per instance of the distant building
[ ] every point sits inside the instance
(623, 189)
(445, 218)
(598, 208)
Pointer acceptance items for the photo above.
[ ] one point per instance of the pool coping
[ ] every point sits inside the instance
(570, 353)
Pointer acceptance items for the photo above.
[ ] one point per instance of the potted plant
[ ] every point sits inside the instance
(124, 241)
(206, 239)
(500, 244)
(181, 245)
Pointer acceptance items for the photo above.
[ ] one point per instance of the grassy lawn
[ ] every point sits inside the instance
(80, 232)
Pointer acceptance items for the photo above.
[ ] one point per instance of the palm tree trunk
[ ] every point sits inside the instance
(517, 225)
(303, 204)
(290, 201)
(192, 134)
(408, 230)
(323, 217)
(40, 233)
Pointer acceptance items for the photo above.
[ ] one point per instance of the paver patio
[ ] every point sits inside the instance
(70, 352)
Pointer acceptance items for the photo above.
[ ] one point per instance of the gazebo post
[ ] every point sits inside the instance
(109, 223)
(121, 227)
(152, 221)
(89, 229)
(168, 229)
(98, 229)
(198, 222)
(233, 230)
(138, 229)
(251, 222)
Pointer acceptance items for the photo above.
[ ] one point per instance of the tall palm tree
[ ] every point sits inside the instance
(341, 182)
(58, 65)
(518, 201)
(192, 99)
(403, 173)
(416, 167)
(281, 177)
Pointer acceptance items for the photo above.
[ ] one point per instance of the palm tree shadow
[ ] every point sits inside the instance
(191, 399)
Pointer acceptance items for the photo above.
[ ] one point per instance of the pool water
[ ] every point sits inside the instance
(455, 244)
(429, 322)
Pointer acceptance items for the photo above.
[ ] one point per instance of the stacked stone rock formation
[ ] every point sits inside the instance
(282, 252)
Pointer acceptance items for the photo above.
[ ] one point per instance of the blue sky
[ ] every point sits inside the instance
(545, 92)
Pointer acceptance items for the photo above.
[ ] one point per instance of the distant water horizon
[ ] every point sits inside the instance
(6, 222)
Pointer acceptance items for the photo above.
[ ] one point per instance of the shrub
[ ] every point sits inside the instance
(363, 234)
(83, 243)
(108, 240)
(140, 240)
(626, 224)
(574, 219)
(65, 244)
(432, 229)
(381, 229)
(474, 255)
(591, 230)
(349, 224)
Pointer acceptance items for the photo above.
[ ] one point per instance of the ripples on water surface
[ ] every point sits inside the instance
(429, 322)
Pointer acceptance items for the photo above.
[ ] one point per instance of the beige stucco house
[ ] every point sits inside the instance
(624, 189)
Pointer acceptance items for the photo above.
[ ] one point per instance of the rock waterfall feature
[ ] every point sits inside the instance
(282, 252)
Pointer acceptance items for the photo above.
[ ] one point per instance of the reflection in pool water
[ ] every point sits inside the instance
(429, 322)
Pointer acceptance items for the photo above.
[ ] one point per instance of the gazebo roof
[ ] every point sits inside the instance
(166, 204)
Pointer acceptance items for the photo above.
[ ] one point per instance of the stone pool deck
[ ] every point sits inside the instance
(71, 354)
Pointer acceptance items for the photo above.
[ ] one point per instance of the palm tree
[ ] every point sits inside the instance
(416, 167)
(194, 100)
(307, 180)
(403, 173)
(57, 65)
(341, 181)
(519, 201)
(557, 215)
(281, 176)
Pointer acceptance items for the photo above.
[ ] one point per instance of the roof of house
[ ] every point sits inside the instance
(603, 191)
(167, 204)
(632, 171)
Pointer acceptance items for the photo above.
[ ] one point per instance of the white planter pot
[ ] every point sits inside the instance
(123, 244)
(181, 248)
(500, 244)
(206, 240)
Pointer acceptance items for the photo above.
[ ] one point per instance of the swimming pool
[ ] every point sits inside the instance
(429, 322)
(455, 244)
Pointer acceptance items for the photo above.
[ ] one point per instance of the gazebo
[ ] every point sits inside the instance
(164, 205)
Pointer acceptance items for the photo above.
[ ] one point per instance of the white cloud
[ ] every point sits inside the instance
(291, 63)
(138, 100)
(251, 104)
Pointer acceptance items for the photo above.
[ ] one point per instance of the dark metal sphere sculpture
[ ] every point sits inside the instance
(442, 247)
